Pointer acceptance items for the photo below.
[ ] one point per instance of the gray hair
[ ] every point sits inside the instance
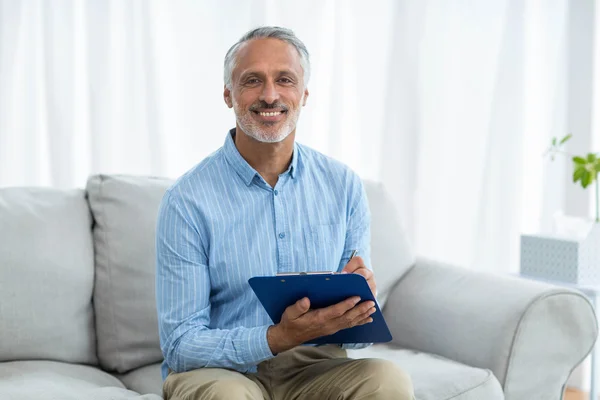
(267, 32)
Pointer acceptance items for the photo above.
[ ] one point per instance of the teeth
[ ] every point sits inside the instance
(270, 114)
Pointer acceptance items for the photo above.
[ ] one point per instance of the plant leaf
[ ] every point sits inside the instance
(597, 165)
(579, 160)
(591, 157)
(563, 140)
(578, 174)
(554, 141)
(591, 177)
(586, 178)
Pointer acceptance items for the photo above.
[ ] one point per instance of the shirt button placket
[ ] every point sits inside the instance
(280, 228)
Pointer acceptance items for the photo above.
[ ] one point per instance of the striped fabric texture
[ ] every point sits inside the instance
(221, 224)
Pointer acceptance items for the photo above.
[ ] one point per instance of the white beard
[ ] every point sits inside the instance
(263, 132)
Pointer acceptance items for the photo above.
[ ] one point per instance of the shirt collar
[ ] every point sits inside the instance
(241, 166)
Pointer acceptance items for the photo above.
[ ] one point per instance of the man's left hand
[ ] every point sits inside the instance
(357, 266)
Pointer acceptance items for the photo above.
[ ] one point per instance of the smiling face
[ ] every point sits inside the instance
(267, 89)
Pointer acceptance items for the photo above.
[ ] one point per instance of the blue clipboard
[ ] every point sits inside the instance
(276, 293)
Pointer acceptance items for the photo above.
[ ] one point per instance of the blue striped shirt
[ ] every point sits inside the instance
(221, 224)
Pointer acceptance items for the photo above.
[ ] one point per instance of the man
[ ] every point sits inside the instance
(260, 205)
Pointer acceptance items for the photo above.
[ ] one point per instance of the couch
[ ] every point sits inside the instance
(78, 318)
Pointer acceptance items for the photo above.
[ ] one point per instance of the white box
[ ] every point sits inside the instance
(570, 260)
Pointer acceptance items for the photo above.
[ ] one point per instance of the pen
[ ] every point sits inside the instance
(351, 257)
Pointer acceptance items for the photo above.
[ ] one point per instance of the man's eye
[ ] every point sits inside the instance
(252, 81)
(285, 80)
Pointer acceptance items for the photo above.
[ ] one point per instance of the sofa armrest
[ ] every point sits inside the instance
(531, 335)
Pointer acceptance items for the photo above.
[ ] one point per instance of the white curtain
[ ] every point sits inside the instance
(449, 104)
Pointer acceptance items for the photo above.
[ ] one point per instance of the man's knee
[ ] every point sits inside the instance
(225, 389)
(386, 380)
(210, 384)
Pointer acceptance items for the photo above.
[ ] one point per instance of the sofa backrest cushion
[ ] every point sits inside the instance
(391, 252)
(125, 209)
(46, 276)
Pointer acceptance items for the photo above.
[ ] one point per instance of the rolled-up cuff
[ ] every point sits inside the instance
(257, 347)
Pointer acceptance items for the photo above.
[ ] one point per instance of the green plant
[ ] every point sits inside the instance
(585, 168)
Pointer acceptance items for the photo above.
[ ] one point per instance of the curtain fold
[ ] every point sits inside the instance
(449, 104)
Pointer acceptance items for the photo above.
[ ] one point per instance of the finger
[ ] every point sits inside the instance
(368, 275)
(356, 313)
(373, 286)
(365, 272)
(354, 264)
(364, 316)
(337, 310)
(299, 308)
(365, 321)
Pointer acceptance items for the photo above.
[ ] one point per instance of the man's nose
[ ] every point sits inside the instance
(269, 93)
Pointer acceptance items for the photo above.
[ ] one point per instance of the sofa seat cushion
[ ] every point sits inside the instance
(51, 380)
(144, 380)
(437, 378)
(434, 378)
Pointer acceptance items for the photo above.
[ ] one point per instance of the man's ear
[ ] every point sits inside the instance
(305, 97)
(227, 97)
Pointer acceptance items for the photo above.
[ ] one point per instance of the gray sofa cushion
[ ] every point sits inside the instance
(48, 380)
(46, 276)
(144, 380)
(125, 210)
(437, 378)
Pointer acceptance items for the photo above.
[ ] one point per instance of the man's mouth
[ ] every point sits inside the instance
(270, 113)
(270, 116)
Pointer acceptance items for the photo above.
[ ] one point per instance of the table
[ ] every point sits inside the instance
(592, 293)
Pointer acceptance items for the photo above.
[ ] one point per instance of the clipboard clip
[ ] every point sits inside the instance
(306, 273)
(317, 272)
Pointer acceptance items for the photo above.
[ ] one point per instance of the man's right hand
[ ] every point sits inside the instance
(300, 324)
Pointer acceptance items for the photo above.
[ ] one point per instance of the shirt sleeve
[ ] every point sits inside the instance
(183, 302)
(358, 234)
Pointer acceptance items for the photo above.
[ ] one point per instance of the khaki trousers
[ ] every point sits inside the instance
(304, 373)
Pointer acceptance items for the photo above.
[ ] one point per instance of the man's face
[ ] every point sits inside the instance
(267, 89)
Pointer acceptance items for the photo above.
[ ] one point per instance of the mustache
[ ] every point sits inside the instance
(264, 105)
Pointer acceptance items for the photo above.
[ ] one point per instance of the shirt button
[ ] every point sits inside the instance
(276, 192)
(281, 235)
